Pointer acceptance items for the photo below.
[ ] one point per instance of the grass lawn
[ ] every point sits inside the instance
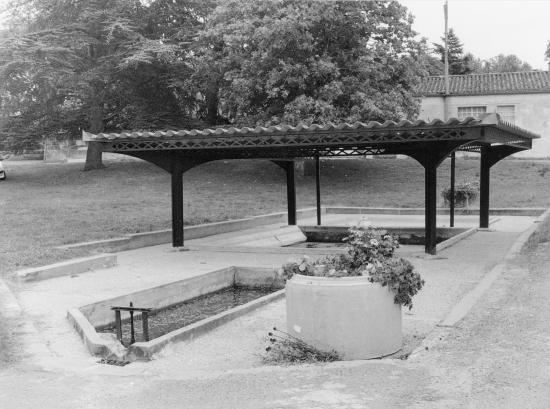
(47, 205)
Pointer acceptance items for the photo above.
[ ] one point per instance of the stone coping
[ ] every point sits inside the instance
(64, 268)
(511, 211)
(153, 238)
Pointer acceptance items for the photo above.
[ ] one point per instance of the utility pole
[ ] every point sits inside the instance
(446, 116)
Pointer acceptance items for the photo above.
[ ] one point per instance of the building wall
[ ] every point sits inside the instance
(532, 112)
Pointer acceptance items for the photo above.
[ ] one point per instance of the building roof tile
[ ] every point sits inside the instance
(526, 82)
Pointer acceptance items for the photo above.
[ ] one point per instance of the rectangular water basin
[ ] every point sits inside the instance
(166, 320)
(406, 235)
(180, 310)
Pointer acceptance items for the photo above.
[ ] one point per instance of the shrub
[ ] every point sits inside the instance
(370, 253)
(285, 348)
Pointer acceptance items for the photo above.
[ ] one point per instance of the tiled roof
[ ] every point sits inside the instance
(527, 82)
(290, 131)
(279, 129)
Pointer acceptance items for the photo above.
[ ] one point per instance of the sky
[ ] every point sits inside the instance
(489, 27)
(485, 27)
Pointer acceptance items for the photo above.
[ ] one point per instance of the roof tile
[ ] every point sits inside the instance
(527, 82)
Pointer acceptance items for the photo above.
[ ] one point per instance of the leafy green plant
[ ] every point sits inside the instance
(370, 253)
(285, 348)
(464, 194)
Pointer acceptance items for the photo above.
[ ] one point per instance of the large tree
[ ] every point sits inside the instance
(96, 65)
(293, 61)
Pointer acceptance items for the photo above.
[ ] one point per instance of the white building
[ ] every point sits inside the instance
(521, 98)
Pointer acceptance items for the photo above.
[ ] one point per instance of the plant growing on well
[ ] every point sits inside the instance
(370, 253)
(464, 194)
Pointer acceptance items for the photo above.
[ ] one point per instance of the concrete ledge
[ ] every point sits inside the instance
(139, 240)
(75, 266)
(99, 314)
(95, 344)
(527, 211)
(461, 236)
(268, 250)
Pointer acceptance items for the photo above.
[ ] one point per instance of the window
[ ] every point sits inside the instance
(507, 113)
(464, 112)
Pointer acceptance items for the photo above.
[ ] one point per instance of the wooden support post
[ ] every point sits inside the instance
(452, 201)
(177, 205)
(318, 188)
(291, 192)
(118, 325)
(145, 325)
(484, 177)
(132, 332)
(430, 206)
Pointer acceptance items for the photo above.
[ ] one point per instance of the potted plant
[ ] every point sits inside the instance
(465, 193)
(351, 302)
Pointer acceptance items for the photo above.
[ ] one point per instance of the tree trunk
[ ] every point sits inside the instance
(212, 103)
(94, 154)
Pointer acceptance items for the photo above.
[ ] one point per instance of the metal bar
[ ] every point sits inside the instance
(177, 205)
(145, 325)
(291, 193)
(131, 309)
(452, 201)
(484, 178)
(430, 206)
(318, 188)
(118, 325)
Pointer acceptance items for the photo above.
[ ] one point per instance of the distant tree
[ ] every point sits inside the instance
(476, 64)
(296, 61)
(505, 63)
(459, 63)
(431, 64)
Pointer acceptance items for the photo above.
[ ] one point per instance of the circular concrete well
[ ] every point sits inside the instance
(351, 315)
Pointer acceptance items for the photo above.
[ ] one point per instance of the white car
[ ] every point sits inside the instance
(2, 172)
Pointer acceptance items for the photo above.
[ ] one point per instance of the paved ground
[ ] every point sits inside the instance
(496, 357)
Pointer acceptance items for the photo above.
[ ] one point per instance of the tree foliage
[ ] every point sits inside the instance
(112, 65)
(459, 63)
(92, 64)
(500, 63)
(306, 61)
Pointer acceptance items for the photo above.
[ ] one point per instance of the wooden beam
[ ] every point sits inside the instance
(484, 180)
(430, 221)
(291, 192)
(452, 201)
(177, 204)
(318, 188)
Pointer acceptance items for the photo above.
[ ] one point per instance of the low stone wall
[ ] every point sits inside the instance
(64, 268)
(139, 240)
(508, 211)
